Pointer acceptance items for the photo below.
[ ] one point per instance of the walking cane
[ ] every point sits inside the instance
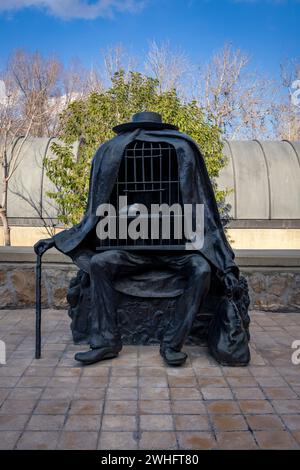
(38, 306)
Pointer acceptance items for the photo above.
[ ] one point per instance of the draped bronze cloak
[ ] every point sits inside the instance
(195, 185)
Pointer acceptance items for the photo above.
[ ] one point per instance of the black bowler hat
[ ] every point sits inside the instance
(145, 120)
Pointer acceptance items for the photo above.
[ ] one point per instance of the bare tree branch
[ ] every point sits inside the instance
(234, 99)
(170, 67)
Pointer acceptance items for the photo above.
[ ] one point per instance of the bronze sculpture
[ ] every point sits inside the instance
(194, 273)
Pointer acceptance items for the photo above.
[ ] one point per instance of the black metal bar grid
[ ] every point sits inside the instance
(148, 174)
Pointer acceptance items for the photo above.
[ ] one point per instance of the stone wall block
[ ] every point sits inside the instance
(23, 282)
(270, 290)
(58, 280)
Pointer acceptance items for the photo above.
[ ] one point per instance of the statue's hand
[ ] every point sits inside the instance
(43, 245)
(231, 283)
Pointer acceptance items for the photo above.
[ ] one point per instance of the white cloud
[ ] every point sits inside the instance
(72, 9)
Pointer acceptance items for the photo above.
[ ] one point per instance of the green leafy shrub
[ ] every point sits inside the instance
(90, 121)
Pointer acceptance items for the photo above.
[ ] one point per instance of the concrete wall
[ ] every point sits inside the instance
(273, 277)
(25, 236)
(263, 176)
(240, 238)
(264, 238)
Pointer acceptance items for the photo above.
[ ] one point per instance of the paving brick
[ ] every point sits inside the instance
(236, 371)
(11, 371)
(191, 440)
(121, 407)
(255, 406)
(271, 381)
(67, 372)
(25, 393)
(296, 389)
(153, 382)
(45, 423)
(156, 422)
(235, 440)
(4, 392)
(208, 372)
(223, 407)
(12, 406)
(89, 393)
(77, 440)
(229, 422)
(196, 440)
(53, 393)
(251, 393)
(216, 393)
(152, 372)
(263, 422)
(275, 440)
(212, 382)
(158, 440)
(153, 360)
(39, 371)
(117, 441)
(180, 371)
(296, 436)
(13, 422)
(52, 407)
(188, 393)
(202, 362)
(123, 381)
(122, 393)
(292, 422)
(188, 407)
(287, 406)
(262, 371)
(191, 423)
(154, 407)
(293, 380)
(65, 382)
(182, 381)
(8, 439)
(7, 382)
(119, 423)
(83, 423)
(154, 393)
(38, 440)
(96, 370)
(31, 381)
(277, 393)
(86, 407)
(93, 382)
(242, 381)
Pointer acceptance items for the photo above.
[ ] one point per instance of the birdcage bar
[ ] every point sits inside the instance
(156, 182)
(151, 162)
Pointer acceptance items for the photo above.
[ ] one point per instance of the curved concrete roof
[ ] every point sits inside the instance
(264, 177)
(29, 184)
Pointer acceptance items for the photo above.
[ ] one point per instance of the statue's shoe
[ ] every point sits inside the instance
(96, 355)
(173, 358)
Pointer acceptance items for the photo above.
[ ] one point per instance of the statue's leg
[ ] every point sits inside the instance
(105, 338)
(197, 272)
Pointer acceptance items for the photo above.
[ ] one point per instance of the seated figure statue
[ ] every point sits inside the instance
(151, 164)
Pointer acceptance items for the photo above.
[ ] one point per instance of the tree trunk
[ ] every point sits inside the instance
(6, 228)
(3, 205)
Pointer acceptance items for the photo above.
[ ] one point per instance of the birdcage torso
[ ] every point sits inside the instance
(148, 176)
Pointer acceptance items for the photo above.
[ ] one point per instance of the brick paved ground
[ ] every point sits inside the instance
(135, 401)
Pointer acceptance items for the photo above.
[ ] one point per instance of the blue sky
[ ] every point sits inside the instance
(269, 30)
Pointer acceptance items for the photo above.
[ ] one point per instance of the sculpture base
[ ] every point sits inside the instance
(143, 320)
